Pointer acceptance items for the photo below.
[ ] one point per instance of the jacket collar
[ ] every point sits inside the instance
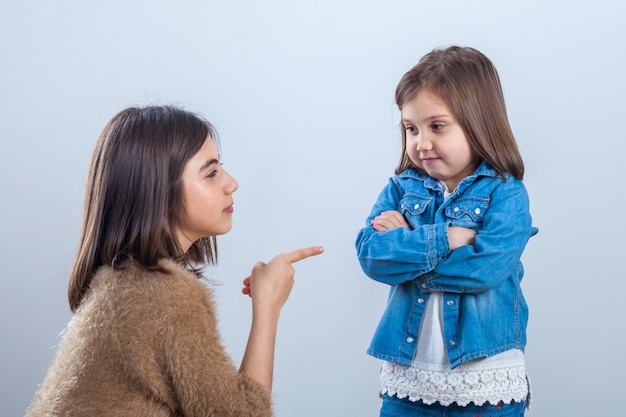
(483, 170)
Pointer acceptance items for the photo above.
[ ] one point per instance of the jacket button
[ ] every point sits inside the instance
(415, 207)
(456, 210)
(420, 301)
(424, 285)
(452, 342)
(410, 339)
(477, 211)
(450, 302)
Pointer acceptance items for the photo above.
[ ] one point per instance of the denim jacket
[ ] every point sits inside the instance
(484, 310)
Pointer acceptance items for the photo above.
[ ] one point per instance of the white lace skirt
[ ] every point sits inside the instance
(478, 382)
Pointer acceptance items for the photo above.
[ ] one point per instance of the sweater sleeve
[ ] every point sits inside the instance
(203, 379)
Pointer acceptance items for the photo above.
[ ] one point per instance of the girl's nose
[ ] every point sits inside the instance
(231, 184)
(424, 145)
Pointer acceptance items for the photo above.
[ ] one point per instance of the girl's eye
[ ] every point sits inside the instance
(214, 172)
(437, 126)
(411, 129)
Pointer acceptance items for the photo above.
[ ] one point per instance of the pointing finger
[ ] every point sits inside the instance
(300, 254)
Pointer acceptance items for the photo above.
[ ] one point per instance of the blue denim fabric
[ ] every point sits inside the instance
(484, 310)
(395, 407)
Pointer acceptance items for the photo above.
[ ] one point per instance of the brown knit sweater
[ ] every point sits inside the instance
(146, 344)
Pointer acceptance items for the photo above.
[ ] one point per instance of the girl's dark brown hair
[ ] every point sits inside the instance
(134, 196)
(468, 83)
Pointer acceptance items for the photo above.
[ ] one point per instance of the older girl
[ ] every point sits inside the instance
(143, 338)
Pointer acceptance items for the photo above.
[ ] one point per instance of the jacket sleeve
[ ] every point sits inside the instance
(203, 378)
(400, 254)
(495, 255)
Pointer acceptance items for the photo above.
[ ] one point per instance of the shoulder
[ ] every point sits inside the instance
(169, 275)
(133, 291)
(486, 179)
(498, 189)
(510, 187)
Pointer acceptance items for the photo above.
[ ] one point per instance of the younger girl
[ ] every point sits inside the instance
(447, 234)
(143, 339)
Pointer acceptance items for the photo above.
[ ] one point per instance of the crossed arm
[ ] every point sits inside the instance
(392, 219)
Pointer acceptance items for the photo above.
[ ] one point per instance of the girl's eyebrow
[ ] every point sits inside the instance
(208, 164)
(431, 117)
(438, 116)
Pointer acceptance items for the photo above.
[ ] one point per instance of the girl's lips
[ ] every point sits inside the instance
(229, 209)
(429, 160)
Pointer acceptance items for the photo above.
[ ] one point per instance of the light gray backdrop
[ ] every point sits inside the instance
(301, 93)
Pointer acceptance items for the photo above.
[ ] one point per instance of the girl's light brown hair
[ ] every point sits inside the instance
(134, 196)
(469, 85)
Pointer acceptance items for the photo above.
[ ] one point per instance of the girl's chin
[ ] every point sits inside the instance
(223, 230)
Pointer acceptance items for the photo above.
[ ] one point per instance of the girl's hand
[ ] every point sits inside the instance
(270, 283)
(460, 236)
(269, 286)
(387, 220)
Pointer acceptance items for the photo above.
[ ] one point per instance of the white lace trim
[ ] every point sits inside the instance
(492, 383)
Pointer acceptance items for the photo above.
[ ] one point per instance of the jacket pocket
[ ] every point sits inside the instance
(413, 208)
(467, 211)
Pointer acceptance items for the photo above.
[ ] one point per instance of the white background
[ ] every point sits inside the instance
(301, 93)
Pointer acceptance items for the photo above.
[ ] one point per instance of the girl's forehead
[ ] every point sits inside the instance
(429, 92)
(425, 101)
